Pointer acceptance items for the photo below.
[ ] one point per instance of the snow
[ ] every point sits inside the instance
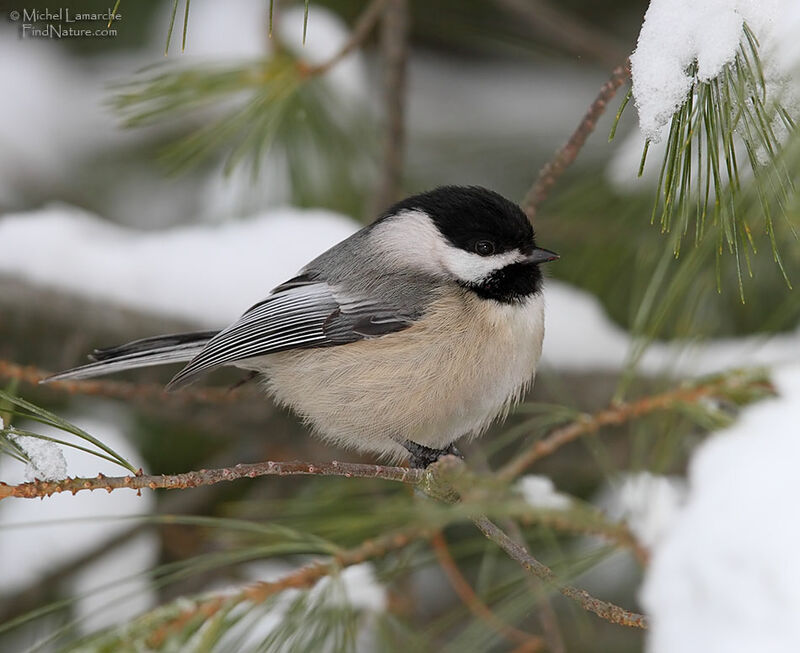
(327, 35)
(238, 32)
(360, 588)
(539, 492)
(47, 461)
(56, 116)
(208, 273)
(580, 336)
(726, 578)
(40, 535)
(648, 503)
(676, 33)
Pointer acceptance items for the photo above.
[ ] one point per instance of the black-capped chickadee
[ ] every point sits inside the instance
(415, 331)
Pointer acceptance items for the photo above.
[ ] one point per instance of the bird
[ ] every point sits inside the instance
(420, 329)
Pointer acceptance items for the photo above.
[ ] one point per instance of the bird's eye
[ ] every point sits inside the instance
(484, 247)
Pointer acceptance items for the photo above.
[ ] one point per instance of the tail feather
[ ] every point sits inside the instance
(159, 350)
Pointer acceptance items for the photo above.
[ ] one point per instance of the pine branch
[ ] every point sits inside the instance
(564, 157)
(603, 609)
(303, 578)
(526, 641)
(434, 481)
(38, 489)
(621, 413)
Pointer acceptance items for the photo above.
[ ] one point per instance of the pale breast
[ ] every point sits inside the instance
(445, 377)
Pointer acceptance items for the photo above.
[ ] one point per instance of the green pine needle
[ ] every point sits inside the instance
(35, 413)
(725, 168)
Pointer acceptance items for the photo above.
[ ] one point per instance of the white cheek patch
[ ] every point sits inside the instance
(411, 238)
(473, 268)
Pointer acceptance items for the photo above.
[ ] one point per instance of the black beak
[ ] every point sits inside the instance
(540, 255)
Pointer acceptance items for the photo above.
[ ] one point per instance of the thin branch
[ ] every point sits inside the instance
(363, 26)
(564, 157)
(603, 609)
(548, 619)
(447, 477)
(116, 389)
(36, 489)
(428, 480)
(15, 604)
(527, 641)
(617, 415)
(303, 578)
(394, 44)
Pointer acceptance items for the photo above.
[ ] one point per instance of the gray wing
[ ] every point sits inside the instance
(300, 313)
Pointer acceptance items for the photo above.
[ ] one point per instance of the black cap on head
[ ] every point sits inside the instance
(466, 215)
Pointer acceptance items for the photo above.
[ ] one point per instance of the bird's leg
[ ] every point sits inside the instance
(422, 456)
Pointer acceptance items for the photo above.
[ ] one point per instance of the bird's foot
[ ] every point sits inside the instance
(422, 456)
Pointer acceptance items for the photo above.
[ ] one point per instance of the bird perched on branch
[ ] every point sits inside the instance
(417, 330)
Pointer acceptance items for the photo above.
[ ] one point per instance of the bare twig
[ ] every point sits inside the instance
(526, 641)
(603, 609)
(616, 415)
(36, 489)
(394, 43)
(363, 26)
(552, 170)
(116, 389)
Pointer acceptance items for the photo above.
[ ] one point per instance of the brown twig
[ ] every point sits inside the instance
(116, 389)
(426, 479)
(613, 416)
(438, 485)
(36, 489)
(363, 26)
(552, 170)
(394, 45)
(303, 578)
(526, 641)
(603, 609)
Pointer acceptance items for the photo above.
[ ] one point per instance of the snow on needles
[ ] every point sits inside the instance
(47, 461)
(726, 578)
(677, 33)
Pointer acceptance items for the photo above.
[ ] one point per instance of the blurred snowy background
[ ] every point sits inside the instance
(103, 240)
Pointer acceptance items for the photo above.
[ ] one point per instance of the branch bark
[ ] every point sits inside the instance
(603, 609)
(564, 157)
(37, 489)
